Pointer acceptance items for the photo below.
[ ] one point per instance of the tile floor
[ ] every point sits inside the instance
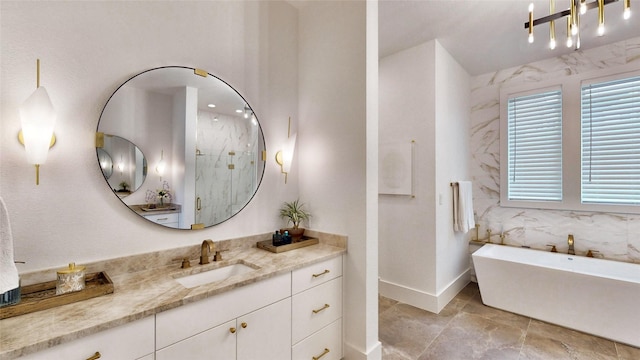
(466, 329)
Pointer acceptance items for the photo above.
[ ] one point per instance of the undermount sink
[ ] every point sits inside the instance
(213, 275)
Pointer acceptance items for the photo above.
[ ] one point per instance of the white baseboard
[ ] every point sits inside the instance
(422, 299)
(351, 353)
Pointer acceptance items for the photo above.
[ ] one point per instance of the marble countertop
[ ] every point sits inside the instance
(145, 285)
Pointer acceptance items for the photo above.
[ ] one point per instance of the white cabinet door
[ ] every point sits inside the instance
(218, 343)
(134, 340)
(265, 334)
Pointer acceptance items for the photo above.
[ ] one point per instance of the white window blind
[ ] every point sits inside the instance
(535, 147)
(611, 142)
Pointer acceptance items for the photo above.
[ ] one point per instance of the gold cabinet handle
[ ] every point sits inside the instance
(244, 325)
(232, 330)
(198, 203)
(322, 273)
(325, 352)
(326, 306)
(95, 356)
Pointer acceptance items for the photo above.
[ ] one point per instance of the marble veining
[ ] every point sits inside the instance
(225, 140)
(145, 285)
(615, 236)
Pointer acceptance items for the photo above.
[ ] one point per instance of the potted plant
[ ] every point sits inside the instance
(124, 187)
(294, 213)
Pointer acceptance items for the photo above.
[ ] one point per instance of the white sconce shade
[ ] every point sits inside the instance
(284, 157)
(38, 119)
(160, 167)
(287, 153)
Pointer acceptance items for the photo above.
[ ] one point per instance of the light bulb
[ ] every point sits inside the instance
(530, 38)
(552, 44)
(600, 29)
(583, 8)
(574, 30)
(569, 42)
(626, 14)
(530, 7)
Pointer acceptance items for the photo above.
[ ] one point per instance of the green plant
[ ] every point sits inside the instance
(124, 185)
(294, 213)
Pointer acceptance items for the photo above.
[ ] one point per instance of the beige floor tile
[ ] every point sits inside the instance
(409, 328)
(627, 352)
(476, 307)
(537, 347)
(467, 329)
(572, 338)
(470, 336)
(391, 353)
(385, 303)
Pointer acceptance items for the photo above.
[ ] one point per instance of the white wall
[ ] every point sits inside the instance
(453, 110)
(334, 169)
(616, 236)
(424, 96)
(87, 50)
(407, 112)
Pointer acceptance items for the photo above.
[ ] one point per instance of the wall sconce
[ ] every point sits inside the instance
(38, 118)
(284, 157)
(161, 165)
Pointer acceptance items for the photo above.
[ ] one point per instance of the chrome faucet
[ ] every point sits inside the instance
(205, 250)
(570, 242)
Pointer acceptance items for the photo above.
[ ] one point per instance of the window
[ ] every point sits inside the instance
(572, 143)
(611, 142)
(535, 147)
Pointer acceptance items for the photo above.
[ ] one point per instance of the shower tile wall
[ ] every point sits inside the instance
(616, 236)
(224, 191)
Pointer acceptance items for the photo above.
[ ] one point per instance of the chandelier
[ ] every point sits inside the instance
(576, 10)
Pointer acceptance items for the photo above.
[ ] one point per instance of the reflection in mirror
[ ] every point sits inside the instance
(127, 174)
(201, 140)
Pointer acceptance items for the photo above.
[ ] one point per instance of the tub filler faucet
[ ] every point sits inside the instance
(570, 242)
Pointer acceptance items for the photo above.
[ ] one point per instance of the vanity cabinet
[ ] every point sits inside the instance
(251, 322)
(131, 341)
(166, 219)
(317, 311)
(293, 315)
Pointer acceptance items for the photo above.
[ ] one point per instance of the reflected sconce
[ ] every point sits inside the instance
(37, 118)
(626, 13)
(161, 165)
(552, 26)
(121, 165)
(284, 157)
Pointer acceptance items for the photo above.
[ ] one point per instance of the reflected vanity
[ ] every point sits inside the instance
(176, 142)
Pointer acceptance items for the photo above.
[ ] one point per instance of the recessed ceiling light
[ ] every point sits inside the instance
(239, 111)
(211, 105)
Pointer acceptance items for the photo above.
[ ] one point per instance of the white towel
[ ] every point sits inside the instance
(9, 279)
(463, 207)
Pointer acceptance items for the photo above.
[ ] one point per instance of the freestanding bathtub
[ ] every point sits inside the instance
(599, 297)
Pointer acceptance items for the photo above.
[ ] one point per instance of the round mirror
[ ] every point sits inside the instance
(202, 144)
(128, 172)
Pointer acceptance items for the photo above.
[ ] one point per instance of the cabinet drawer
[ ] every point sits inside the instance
(327, 341)
(316, 274)
(164, 218)
(134, 340)
(316, 308)
(180, 323)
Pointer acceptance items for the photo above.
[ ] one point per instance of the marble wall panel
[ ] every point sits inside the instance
(615, 236)
(223, 141)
